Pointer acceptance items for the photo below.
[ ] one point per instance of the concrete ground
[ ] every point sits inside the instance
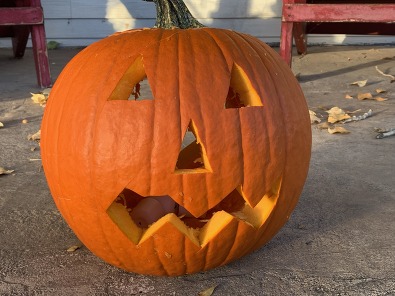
(340, 239)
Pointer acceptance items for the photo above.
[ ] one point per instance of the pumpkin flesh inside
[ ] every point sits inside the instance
(200, 230)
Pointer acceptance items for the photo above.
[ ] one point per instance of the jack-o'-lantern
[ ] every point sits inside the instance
(176, 149)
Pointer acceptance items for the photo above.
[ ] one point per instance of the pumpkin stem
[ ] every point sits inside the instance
(172, 14)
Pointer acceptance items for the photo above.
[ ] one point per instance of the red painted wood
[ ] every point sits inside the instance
(297, 12)
(41, 55)
(351, 28)
(300, 37)
(339, 13)
(286, 42)
(17, 19)
(40, 51)
(19, 40)
(21, 16)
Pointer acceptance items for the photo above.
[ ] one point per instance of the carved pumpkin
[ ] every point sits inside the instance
(114, 157)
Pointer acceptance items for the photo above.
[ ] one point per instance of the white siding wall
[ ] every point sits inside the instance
(81, 22)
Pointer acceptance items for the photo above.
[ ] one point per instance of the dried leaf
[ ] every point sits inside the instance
(380, 91)
(380, 99)
(365, 96)
(336, 114)
(35, 137)
(3, 171)
(208, 292)
(323, 126)
(338, 130)
(360, 83)
(348, 97)
(313, 117)
(1, 124)
(39, 98)
(73, 248)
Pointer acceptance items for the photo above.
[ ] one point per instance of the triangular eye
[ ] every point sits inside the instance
(241, 92)
(134, 84)
(192, 157)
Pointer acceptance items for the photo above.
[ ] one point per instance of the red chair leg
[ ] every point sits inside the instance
(41, 55)
(286, 42)
(19, 40)
(299, 33)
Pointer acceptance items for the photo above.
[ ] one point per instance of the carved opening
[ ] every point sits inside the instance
(139, 217)
(134, 85)
(241, 92)
(192, 157)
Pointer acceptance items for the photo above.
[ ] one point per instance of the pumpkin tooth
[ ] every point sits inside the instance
(121, 217)
(171, 218)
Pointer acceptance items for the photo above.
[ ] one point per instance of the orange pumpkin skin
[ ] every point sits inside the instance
(93, 148)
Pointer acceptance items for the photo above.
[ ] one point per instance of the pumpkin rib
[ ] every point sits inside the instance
(99, 110)
(159, 41)
(59, 119)
(268, 224)
(156, 250)
(212, 33)
(234, 239)
(186, 51)
(264, 58)
(243, 45)
(291, 205)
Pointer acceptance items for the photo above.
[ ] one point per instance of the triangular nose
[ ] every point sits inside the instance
(192, 157)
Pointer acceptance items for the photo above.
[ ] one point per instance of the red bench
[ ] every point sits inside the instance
(296, 13)
(19, 18)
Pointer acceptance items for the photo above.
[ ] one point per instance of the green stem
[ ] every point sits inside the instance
(172, 14)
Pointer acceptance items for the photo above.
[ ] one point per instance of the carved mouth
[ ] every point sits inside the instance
(141, 217)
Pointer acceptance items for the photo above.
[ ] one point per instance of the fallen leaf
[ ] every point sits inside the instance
(336, 114)
(208, 292)
(365, 96)
(380, 91)
(313, 117)
(3, 171)
(380, 99)
(338, 130)
(35, 137)
(39, 98)
(348, 97)
(73, 248)
(325, 125)
(360, 83)
(1, 124)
